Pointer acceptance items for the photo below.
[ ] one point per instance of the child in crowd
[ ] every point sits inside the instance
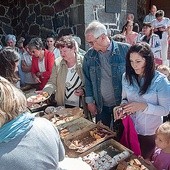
(164, 70)
(161, 157)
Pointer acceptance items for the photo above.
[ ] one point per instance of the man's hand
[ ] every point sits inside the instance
(92, 108)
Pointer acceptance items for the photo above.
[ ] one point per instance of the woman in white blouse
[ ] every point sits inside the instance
(146, 95)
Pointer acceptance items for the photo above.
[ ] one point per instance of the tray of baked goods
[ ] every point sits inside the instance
(135, 163)
(37, 107)
(88, 137)
(37, 97)
(73, 126)
(106, 155)
(60, 115)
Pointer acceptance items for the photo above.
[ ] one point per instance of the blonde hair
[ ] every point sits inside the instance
(164, 129)
(12, 101)
(163, 68)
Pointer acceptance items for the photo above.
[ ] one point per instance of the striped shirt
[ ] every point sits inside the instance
(73, 82)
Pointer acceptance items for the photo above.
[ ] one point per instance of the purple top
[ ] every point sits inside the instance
(161, 160)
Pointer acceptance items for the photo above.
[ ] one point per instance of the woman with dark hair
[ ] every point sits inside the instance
(145, 94)
(50, 46)
(153, 40)
(9, 60)
(42, 61)
(128, 32)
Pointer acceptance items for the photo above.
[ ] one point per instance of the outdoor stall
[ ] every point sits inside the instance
(93, 143)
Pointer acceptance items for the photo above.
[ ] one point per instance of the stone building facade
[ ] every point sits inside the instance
(58, 17)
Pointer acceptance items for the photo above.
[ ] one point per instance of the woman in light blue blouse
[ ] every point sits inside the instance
(146, 94)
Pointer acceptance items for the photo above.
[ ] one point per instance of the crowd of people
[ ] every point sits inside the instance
(130, 70)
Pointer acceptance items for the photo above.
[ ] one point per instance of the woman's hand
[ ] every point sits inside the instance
(79, 92)
(38, 74)
(118, 113)
(134, 107)
(29, 104)
(92, 108)
(37, 79)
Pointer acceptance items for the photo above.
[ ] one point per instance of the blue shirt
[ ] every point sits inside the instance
(149, 18)
(92, 73)
(157, 98)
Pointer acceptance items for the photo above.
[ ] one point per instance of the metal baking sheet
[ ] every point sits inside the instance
(63, 115)
(106, 155)
(104, 145)
(73, 126)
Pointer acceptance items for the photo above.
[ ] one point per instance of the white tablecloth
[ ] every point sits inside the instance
(73, 164)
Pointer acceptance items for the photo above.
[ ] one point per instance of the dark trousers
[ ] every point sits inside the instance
(105, 116)
(147, 145)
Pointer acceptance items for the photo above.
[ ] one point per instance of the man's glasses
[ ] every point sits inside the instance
(91, 43)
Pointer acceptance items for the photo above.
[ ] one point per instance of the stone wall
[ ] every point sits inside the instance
(40, 18)
(59, 17)
(141, 11)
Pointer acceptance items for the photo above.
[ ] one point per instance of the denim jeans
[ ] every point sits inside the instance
(105, 116)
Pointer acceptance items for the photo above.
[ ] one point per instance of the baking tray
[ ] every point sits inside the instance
(140, 164)
(38, 107)
(88, 137)
(37, 98)
(106, 155)
(63, 115)
(73, 126)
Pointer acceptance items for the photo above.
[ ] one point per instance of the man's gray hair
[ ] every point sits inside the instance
(96, 28)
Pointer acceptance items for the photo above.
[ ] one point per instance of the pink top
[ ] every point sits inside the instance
(129, 137)
(161, 160)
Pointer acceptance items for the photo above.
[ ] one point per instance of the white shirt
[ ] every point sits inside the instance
(73, 81)
(28, 76)
(56, 52)
(154, 43)
(41, 65)
(165, 22)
